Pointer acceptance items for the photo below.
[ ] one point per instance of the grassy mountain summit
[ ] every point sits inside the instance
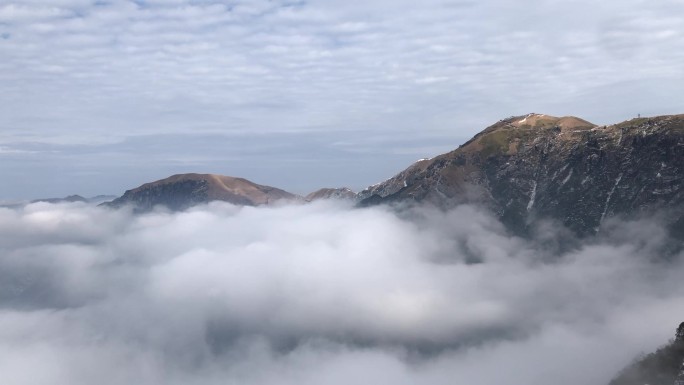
(182, 191)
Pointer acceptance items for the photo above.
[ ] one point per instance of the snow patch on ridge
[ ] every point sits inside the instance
(533, 195)
(567, 178)
(610, 194)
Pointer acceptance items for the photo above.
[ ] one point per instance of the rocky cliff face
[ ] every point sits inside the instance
(531, 167)
(181, 191)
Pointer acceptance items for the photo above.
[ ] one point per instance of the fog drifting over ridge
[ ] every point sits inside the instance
(323, 294)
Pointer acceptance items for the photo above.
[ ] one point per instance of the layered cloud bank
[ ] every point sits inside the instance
(324, 294)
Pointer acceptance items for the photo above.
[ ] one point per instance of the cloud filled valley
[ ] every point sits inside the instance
(325, 294)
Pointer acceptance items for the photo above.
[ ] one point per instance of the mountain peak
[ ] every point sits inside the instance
(536, 166)
(534, 120)
(181, 191)
(331, 193)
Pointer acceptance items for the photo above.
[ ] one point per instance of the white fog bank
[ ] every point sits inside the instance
(323, 294)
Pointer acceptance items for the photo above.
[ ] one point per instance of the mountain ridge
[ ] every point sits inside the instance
(525, 169)
(536, 166)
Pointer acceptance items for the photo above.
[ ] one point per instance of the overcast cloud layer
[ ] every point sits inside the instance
(111, 94)
(323, 294)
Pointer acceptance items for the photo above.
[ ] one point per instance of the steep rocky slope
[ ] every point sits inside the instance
(663, 367)
(537, 166)
(181, 191)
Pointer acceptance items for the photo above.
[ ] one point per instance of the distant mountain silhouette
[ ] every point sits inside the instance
(70, 198)
(331, 193)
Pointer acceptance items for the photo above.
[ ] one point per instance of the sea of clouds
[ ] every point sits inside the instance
(325, 294)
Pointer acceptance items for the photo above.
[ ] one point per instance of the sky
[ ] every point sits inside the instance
(325, 294)
(102, 96)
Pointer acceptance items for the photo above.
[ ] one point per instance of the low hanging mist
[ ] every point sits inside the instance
(325, 294)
